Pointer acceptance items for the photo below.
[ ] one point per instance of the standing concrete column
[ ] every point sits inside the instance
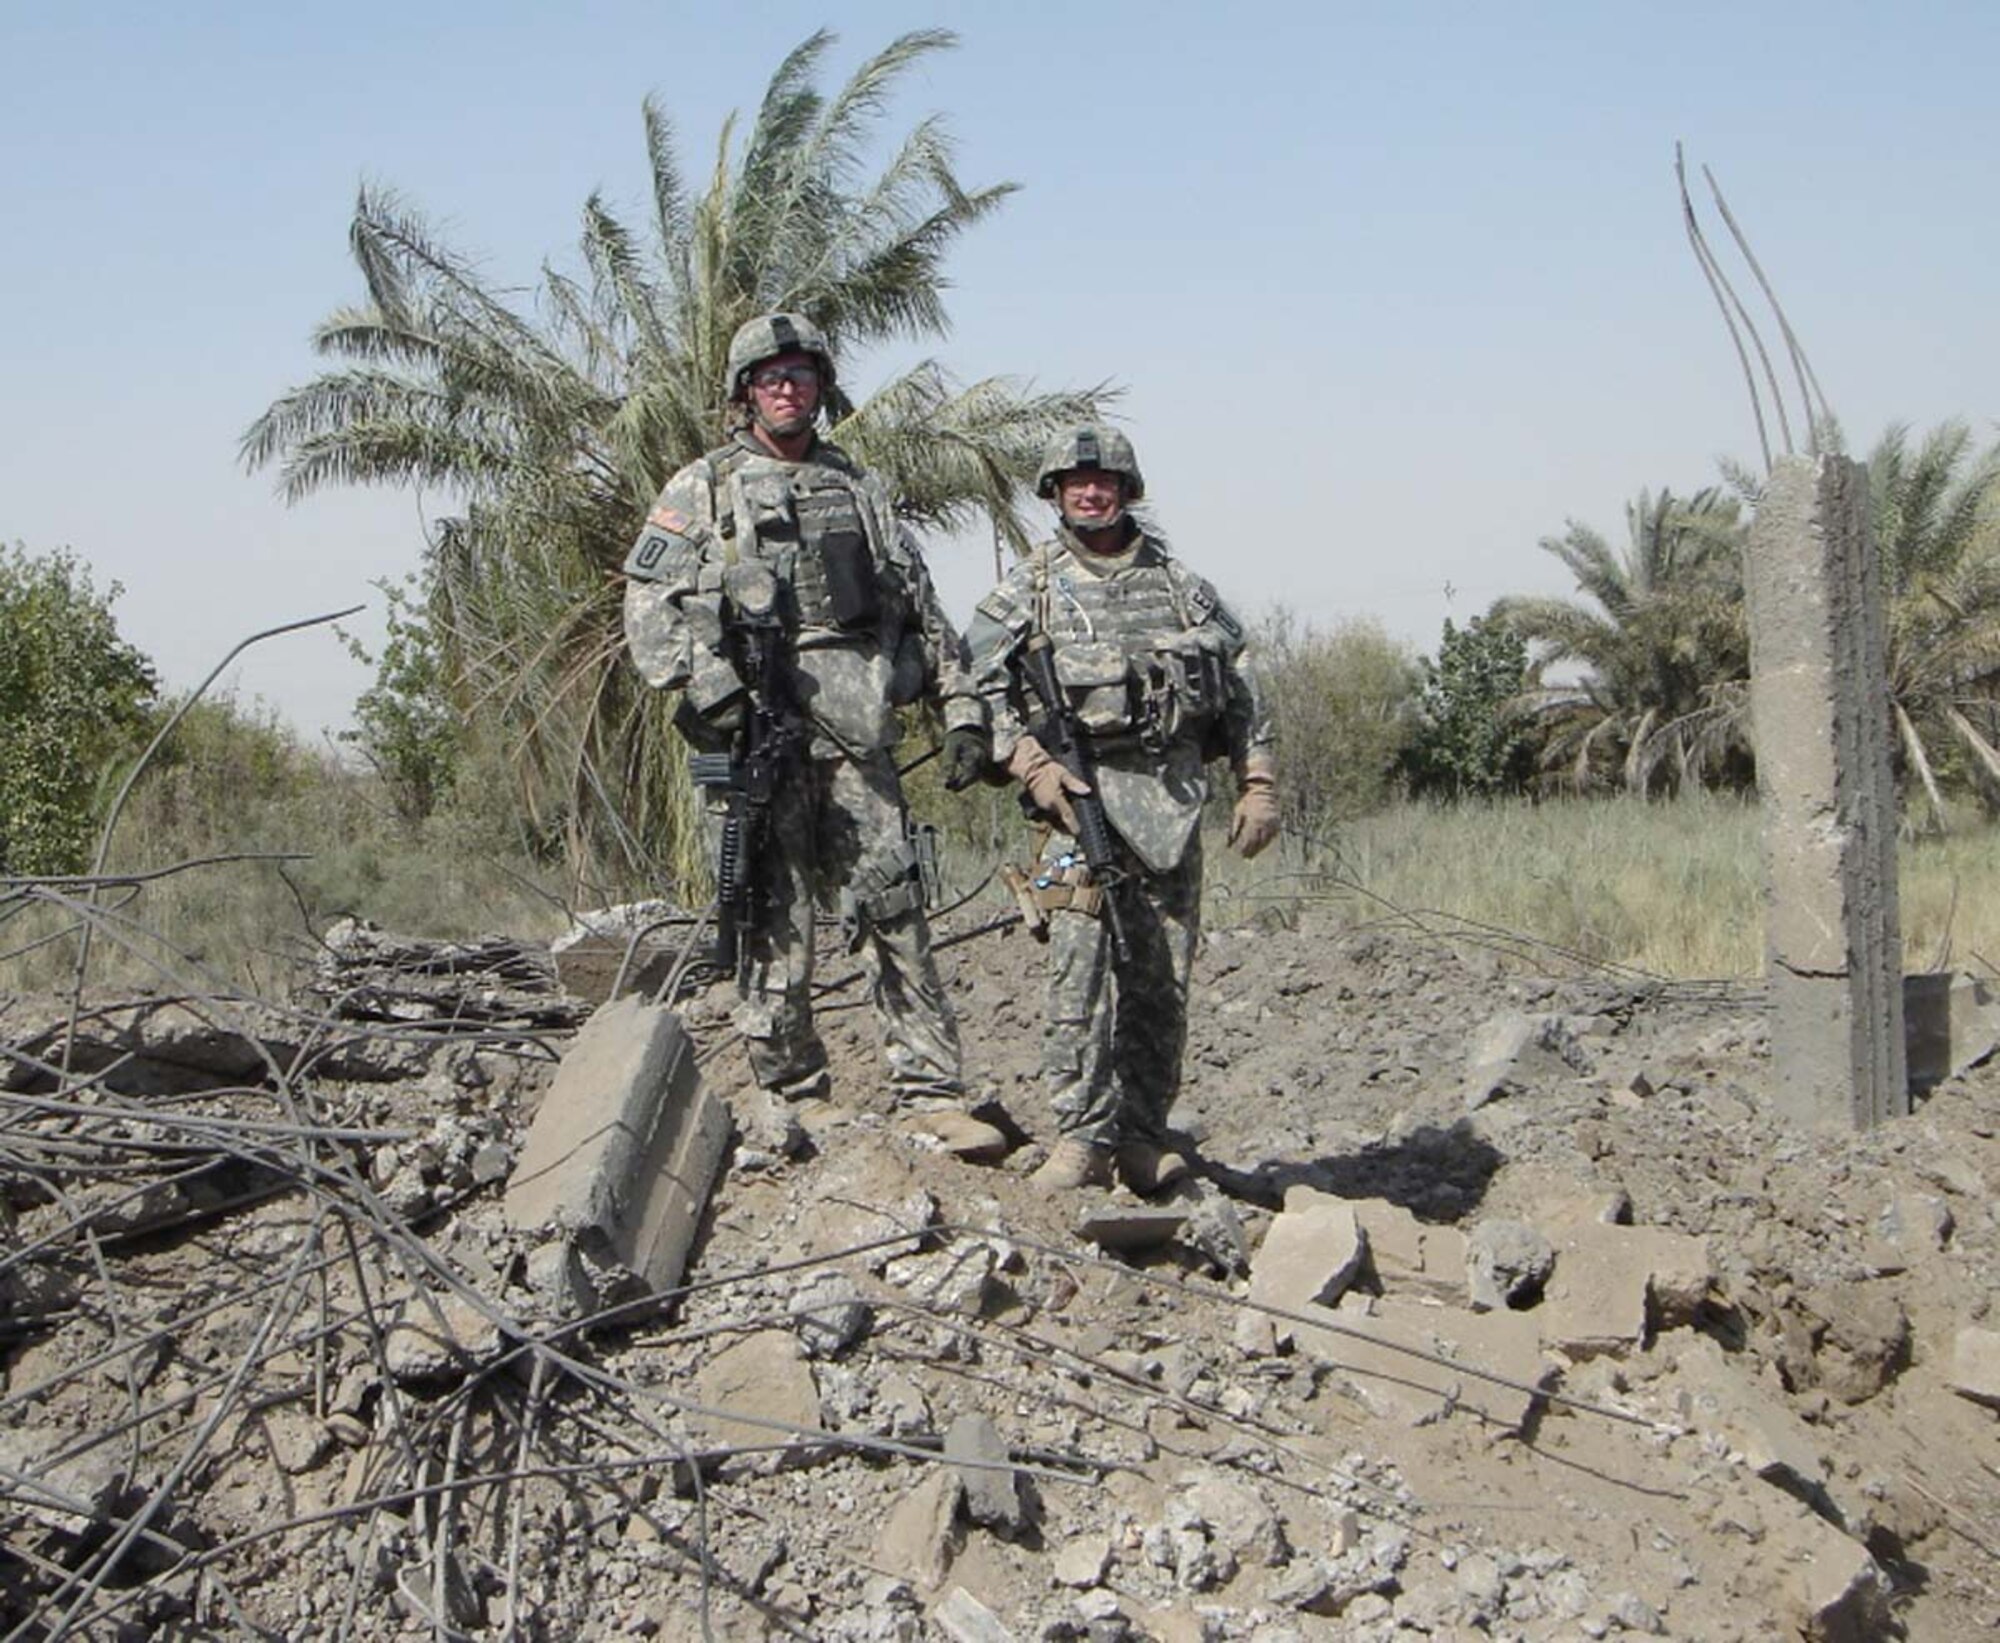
(1819, 699)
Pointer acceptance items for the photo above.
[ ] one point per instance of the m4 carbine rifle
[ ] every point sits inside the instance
(1064, 741)
(751, 770)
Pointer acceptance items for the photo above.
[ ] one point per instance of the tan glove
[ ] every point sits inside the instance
(1048, 782)
(1254, 822)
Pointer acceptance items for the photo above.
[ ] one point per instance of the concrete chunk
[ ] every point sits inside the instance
(1123, 1228)
(916, 1541)
(1374, 1349)
(1613, 1284)
(964, 1619)
(1838, 1592)
(766, 1378)
(1409, 1258)
(992, 1488)
(1310, 1254)
(1975, 1366)
(625, 1148)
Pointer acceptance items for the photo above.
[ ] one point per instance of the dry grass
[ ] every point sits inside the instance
(1670, 888)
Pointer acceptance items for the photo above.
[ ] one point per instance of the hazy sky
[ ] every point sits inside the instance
(1393, 290)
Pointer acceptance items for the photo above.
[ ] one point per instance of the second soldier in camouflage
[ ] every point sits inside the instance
(1157, 675)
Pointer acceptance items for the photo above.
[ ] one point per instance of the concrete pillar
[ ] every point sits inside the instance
(1819, 701)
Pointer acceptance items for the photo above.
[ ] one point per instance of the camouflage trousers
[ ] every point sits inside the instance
(838, 840)
(1113, 1033)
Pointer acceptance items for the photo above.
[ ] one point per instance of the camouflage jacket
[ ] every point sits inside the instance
(867, 633)
(1154, 666)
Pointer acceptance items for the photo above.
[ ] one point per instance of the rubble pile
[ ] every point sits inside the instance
(1497, 1308)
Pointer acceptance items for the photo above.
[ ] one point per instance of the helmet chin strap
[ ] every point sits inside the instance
(1094, 529)
(790, 428)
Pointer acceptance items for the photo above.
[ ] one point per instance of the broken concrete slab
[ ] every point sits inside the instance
(437, 1341)
(964, 1619)
(1612, 1285)
(1975, 1365)
(1951, 1021)
(1310, 1254)
(917, 1540)
(625, 1149)
(765, 1380)
(1774, 1443)
(1410, 1258)
(993, 1494)
(1381, 1350)
(1125, 1228)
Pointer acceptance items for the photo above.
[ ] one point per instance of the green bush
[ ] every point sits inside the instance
(1345, 703)
(1471, 739)
(72, 698)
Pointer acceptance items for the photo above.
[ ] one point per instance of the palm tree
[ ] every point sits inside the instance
(551, 429)
(1661, 646)
(1935, 511)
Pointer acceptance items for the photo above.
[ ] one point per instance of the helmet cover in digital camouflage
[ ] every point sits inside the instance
(1092, 446)
(766, 337)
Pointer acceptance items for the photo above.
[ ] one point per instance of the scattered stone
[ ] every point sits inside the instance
(1506, 1265)
(1310, 1253)
(1975, 1366)
(993, 1493)
(964, 1619)
(440, 1340)
(1082, 1560)
(1236, 1516)
(767, 1386)
(917, 1541)
(298, 1442)
(829, 1315)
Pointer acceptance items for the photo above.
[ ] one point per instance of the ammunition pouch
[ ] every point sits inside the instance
(1181, 697)
(1096, 682)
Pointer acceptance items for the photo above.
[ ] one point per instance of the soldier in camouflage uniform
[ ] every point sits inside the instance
(1159, 680)
(863, 633)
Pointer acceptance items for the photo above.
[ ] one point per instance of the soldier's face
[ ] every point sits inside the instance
(784, 392)
(1090, 498)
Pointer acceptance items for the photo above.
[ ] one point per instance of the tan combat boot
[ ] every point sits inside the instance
(958, 1133)
(1147, 1167)
(1074, 1162)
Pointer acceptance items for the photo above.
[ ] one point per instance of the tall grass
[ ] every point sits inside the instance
(235, 781)
(1670, 887)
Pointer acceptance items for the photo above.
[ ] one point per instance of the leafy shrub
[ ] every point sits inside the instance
(72, 698)
(1471, 739)
(1345, 702)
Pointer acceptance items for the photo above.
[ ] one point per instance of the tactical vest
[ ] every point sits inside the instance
(1133, 651)
(814, 528)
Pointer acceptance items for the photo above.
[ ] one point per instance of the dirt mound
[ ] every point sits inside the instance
(1498, 1308)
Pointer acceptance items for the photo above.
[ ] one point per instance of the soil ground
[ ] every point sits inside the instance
(1181, 1473)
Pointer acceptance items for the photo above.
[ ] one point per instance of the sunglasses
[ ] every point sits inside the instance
(776, 376)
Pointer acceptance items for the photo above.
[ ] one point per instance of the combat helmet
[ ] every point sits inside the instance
(1093, 445)
(767, 336)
